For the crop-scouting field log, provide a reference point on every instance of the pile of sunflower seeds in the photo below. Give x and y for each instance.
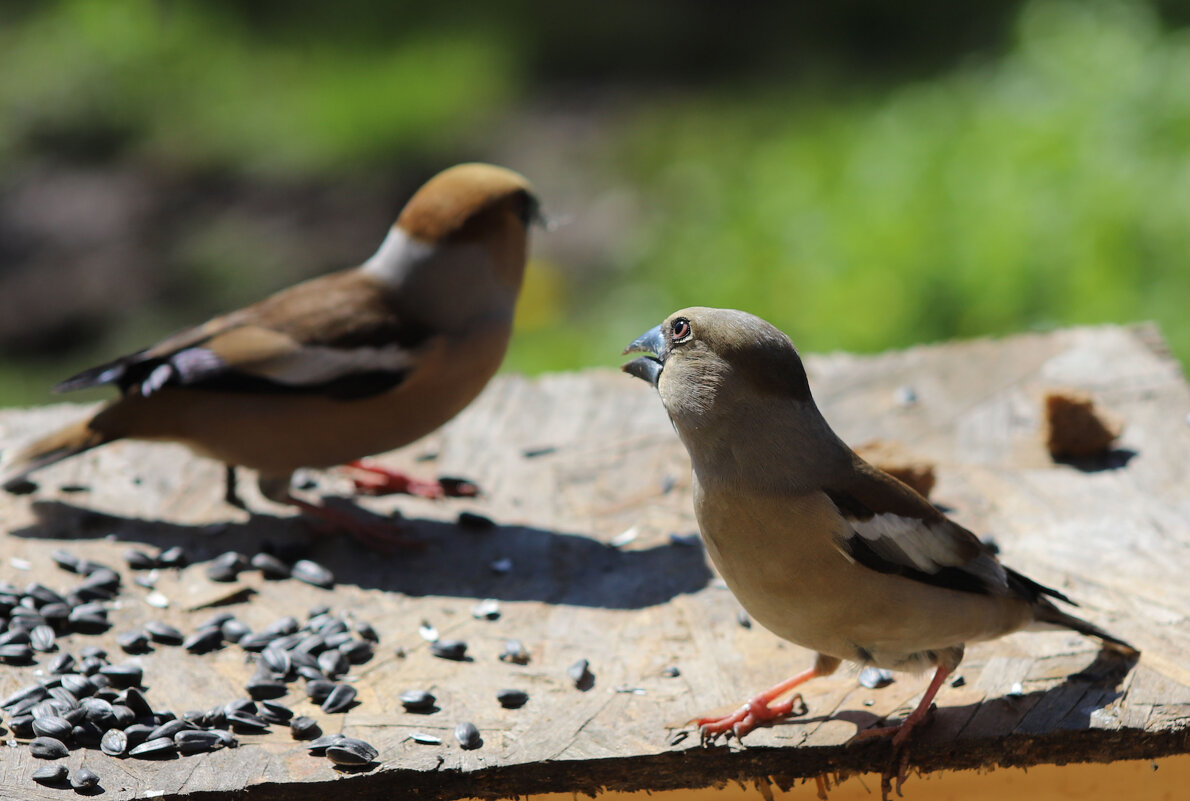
(89, 701)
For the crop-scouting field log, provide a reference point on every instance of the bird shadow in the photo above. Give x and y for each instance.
(1067, 706)
(505, 562)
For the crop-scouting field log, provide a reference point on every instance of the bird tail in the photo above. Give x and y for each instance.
(1049, 615)
(61, 444)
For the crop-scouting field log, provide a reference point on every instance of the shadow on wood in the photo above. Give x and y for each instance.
(547, 566)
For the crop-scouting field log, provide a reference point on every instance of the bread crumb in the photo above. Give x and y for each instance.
(1075, 427)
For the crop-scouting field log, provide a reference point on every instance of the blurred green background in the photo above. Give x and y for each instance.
(865, 175)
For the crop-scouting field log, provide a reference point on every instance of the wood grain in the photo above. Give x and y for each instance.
(569, 462)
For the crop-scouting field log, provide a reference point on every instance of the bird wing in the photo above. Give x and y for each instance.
(338, 336)
(893, 529)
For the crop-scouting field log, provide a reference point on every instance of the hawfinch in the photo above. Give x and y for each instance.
(353, 363)
(820, 547)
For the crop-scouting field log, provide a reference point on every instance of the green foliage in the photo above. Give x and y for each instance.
(186, 83)
(1049, 187)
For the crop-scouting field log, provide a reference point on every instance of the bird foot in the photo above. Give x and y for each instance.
(756, 711)
(898, 765)
(372, 479)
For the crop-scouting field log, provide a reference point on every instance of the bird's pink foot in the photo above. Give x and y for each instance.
(898, 766)
(755, 712)
(372, 479)
(761, 708)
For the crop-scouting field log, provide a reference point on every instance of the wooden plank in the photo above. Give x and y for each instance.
(569, 462)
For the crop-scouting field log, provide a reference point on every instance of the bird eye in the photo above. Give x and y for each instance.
(680, 330)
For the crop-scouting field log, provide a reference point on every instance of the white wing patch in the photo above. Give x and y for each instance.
(927, 546)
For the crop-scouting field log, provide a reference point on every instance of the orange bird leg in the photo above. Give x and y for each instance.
(373, 479)
(759, 709)
(903, 732)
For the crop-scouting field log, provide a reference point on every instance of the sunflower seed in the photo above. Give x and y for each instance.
(78, 686)
(340, 699)
(318, 746)
(270, 566)
(192, 741)
(336, 639)
(66, 560)
(16, 653)
(367, 631)
(319, 689)
(173, 557)
(67, 699)
(241, 705)
(84, 779)
(512, 699)
(333, 663)
(468, 736)
(89, 624)
(304, 728)
(50, 774)
(135, 700)
(580, 673)
(235, 631)
(86, 735)
(449, 649)
(487, 609)
(310, 673)
(56, 727)
(874, 678)
(133, 642)
(170, 728)
(164, 633)
(260, 687)
(124, 675)
(274, 712)
(357, 651)
(42, 639)
(427, 631)
(743, 619)
(417, 701)
(227, 566)
(671, 672)
(114, 742)
(102, 578)
(423, 738)
(139, 560)
(350, 751)
(62, 663)
(204, 640)
(312, 573)
(21, 725)
(138, 733)
(100, 712)
(43, 595)
(276, 659)
(153, 748)
(19, 636)
(47, 748)
(33, 692)
(247, 722)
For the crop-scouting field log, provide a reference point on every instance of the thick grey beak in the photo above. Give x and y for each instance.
(649, 367)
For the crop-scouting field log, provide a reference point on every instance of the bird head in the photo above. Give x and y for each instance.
(478, 205)
(707, 363)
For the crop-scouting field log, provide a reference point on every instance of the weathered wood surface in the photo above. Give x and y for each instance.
(568, 462)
